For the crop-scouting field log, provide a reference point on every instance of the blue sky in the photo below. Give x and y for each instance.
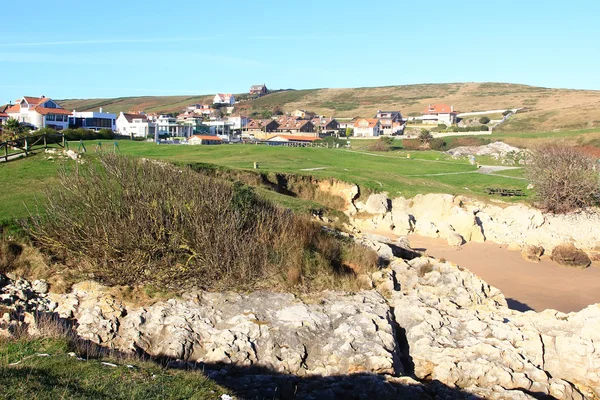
(83, 49)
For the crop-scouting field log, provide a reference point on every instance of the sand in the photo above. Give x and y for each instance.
(526, 285)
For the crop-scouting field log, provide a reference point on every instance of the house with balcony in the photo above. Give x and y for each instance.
(325, 126)
(439, 114)
(367, 127)
(296, 126)
(224, 98)
(135, 125)
(39, 112)
(93, 120)
(258, 90)
(390, 121)
(169, 127)
(195, 121)
(237, 122)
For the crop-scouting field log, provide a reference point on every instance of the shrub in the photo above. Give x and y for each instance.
(437, 144)
(564, 178)
(383, 144)
(134, 222)
(484, 128)
(411, 144)
(484, 120)
(442, 126)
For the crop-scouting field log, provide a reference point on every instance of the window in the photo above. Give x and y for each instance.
(50, 117)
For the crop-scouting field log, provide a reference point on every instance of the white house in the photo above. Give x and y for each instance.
(39, 112)
(219, 127)
(439, 114)
(93, 120)
(238, 122)
(135, 125)
(367, 127)
(168, 126)
(3, 118)
(204, 139)
(224, 98)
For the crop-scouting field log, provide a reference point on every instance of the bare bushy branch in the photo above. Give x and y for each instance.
(564, 178)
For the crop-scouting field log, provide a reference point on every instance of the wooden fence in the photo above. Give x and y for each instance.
(26, 144)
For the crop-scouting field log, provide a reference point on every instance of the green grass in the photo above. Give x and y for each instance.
(59, 376)
(424, 172)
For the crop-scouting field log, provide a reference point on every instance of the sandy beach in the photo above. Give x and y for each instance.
(526, 285)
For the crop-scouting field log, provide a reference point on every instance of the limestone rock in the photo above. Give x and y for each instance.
(569, 255)
(455, 239)
(40, 286)
(377, 204)
(532, 253)
(513, 246)
(426, 228)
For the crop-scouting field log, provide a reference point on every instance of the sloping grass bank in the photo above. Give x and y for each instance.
(58, 375)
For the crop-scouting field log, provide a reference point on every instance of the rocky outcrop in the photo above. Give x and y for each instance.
(334, 333)
(448, 217)
(460, 332)
(424, 319)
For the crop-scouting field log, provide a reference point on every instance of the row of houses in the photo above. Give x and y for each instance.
(43, 112)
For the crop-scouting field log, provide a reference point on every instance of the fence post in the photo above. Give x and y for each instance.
(26, 146)
(45, 143)
(5, 152)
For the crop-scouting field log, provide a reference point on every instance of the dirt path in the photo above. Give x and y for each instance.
(526, 285)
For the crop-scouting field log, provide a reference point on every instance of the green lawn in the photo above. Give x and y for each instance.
(60, 376)
(424, 172)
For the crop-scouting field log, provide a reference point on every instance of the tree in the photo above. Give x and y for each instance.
(484, 120)
(349, 131)
(425, 137)
(12, 129)
(564, 178)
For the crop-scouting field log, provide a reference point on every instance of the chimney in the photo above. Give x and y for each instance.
(100, 110)
(43, 97)
(451, 108)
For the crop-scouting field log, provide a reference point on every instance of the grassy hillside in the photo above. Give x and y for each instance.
(424, 172)
(547, 109)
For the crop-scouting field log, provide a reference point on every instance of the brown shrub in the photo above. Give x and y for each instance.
(565, 179)
(135, 222)
(379, 146)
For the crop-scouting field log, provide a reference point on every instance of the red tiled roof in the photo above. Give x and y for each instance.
(206, 137)
(46, 111)
(438, 109)
(3, 115)
(372, 122)
(15, 108)
(34, 100)
(297, 138)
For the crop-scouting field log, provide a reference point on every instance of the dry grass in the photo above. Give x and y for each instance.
(137, 223)
(547, 109)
